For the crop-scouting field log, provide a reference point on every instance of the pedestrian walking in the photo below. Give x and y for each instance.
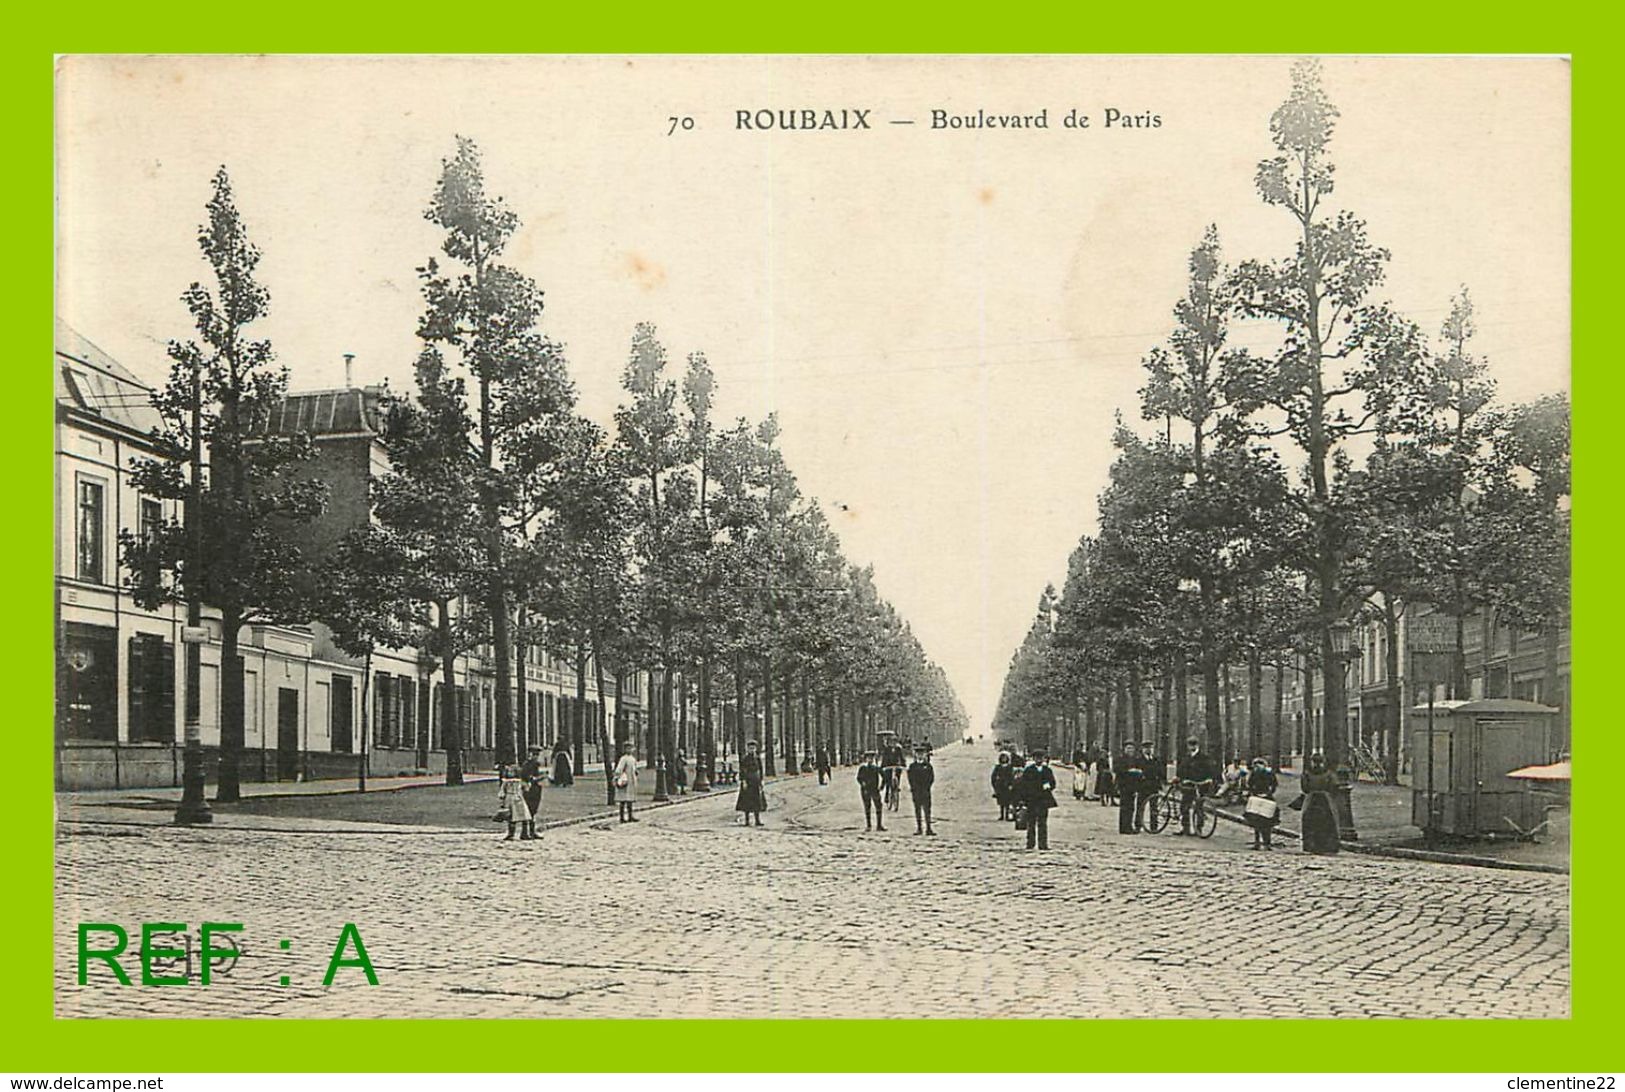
(1262, 814)
(1196, 773)
(1127, 775)
(1004, 784)
(823, 765)
(626, 782)
(533, 773)
(511, 804)
(679, 773)
(1320, 833)
(869, 778)
(563, 775)
(1037, 791)
(750, 800)
(920, 779)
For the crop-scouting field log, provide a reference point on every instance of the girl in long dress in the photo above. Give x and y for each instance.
(1320, 833)
(626, 783)
(750, 799)
(511, 802)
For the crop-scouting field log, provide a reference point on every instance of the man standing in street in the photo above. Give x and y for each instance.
(920, 778)
(1196, 773)
(823, 764)
(869, 786)
(1156, 776)
(1129, 773)
(1036, 788)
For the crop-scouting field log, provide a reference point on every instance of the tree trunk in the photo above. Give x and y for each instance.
(807, 729)
(1280, 707)
(366, 722)
(502, 638)
(229, 788)
(1182, 702)
(522, 738)
(1396, 699)
(1231, 744)
(1255, 703)
(739, 703)
(1165, 733)
(578, 730)
(1551, 639)
(767, 716)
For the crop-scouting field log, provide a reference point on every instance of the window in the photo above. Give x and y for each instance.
(408, 710)
(151, 518)
(87, 683)
(91, 537)
(341, 715)
(382, 709)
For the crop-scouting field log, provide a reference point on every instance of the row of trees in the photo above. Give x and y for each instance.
(1356, 471)
(674, 544)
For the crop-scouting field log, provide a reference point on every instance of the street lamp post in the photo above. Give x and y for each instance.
(194, 808)
(1342, 796)
(661, 678)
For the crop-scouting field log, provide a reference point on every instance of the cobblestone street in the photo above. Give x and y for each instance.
(687, 914)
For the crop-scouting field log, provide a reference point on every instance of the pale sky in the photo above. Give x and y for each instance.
(944, 320)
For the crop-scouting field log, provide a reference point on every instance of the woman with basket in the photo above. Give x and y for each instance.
(626, 782)
(1262, 814)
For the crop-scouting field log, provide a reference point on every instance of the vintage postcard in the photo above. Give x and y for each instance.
(812, 537)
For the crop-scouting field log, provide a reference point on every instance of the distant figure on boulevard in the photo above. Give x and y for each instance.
(1127, 775)
(869, 778)
(533, 773)
(822, 761)
(751, 801)
(920, 779)
(1196, 773)
(626, 782)
(563, 775)
(892, 760)
(1262, 783)
(1105, 787)
(679, 773)
(1004, 784)
(511, 804)
(1320, 833)
(1036, 789)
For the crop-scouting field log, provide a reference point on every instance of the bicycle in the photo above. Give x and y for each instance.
(1164, 811)
(894, 778)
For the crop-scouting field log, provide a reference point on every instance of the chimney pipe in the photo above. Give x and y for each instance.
(348, 357)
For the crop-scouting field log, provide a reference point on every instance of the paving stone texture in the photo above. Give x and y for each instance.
(688, 914)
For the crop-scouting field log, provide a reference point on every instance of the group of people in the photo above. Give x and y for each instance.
(1025, 791)
(1138, 776)
(882, 770)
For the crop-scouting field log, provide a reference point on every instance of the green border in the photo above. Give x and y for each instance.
(37, 1042)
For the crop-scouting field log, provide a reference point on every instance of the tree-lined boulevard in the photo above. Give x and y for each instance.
(810, 916)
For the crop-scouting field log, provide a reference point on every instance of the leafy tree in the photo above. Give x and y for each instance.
(221, 392)
(1321, 297)
(481, 315)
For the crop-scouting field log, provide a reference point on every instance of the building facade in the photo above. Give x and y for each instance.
(310, 710)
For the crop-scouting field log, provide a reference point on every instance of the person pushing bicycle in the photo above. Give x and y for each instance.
(1195, 774)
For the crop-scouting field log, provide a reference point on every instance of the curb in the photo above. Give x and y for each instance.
(687, 798)
(1432, 856)
(383, 829)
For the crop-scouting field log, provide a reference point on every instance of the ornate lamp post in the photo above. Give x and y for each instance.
(659, 677)
(1341, 797)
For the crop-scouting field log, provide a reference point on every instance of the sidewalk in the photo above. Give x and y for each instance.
(1382, 819)
(396, 805)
